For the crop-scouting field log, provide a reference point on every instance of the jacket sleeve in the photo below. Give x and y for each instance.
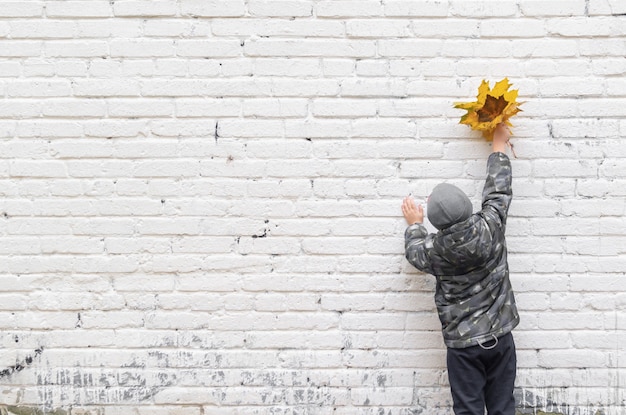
(497, 193)
(417, 243)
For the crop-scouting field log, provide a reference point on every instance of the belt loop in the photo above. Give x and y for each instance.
(489, 347)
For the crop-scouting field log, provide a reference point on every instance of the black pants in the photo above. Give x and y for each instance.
(482, 377)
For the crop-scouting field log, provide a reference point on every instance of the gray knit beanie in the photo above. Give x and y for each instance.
(447, 205)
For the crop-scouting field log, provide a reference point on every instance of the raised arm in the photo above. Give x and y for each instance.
(500, 139)
(497, 193)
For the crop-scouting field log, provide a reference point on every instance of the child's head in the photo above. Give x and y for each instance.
(447, 205)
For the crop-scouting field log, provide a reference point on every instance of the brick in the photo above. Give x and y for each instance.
(233, 67)
(291, 68)
(612, 168)
(114, 128)
(372, 68)
(553, 8)
(559, 187)
(563, 67)
(428, 169)
(337, 67)
(76, 9)
(172, 27)
(402, 396)
(20, 48)
(73, 108)
(553, 107)
(83, 169)
(342, 108)
(481, 8)
(305, 88)
(279, 27)
(49, 129)
(198, 107)
(107, 227)
(212, 8)
(139, 108)
(22, 9)
(571, 87)
(105, 28)
(410, 47)
(171, 67)
(208, 48)
(212, 88)
(38, 68)
(76, 49)
(9, 69)
(584, 27)
(414, 107)
(602, 47)
(384, 128)
(138, 67)
(39, 88)
(610, 67)
(524, 28)
(378, 28)
(572, 359)
(20, 108)
(304, 48)
(601, 107)
(58, 29)
(562, 48)
(374, 88)
(403, 8)
(141, 48)
(453, 28)
(536, 208)
(106, 87)
(280, 8)
(317, 129)
(349, 8)
(144, 8)
(104, 68)
(606, 7)
(335, 149)
(585, 128)
(564, 226)
(276, 108)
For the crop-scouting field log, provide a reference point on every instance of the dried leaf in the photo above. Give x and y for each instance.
(492, 107)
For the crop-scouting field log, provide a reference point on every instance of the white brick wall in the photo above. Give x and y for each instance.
(199, 208)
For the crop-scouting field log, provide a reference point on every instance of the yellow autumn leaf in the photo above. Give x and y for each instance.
(492, 107)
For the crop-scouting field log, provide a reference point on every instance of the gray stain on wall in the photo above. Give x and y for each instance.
(21, 365)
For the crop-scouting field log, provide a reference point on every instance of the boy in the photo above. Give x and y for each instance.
(474, 297)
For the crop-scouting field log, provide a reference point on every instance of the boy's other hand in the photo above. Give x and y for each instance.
(412, 213)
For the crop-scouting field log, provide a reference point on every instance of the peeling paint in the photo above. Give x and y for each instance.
(547, 402)
(32, 410)
(21, 365)
(28, 410)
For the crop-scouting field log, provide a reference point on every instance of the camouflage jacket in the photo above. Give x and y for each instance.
(473, 296)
